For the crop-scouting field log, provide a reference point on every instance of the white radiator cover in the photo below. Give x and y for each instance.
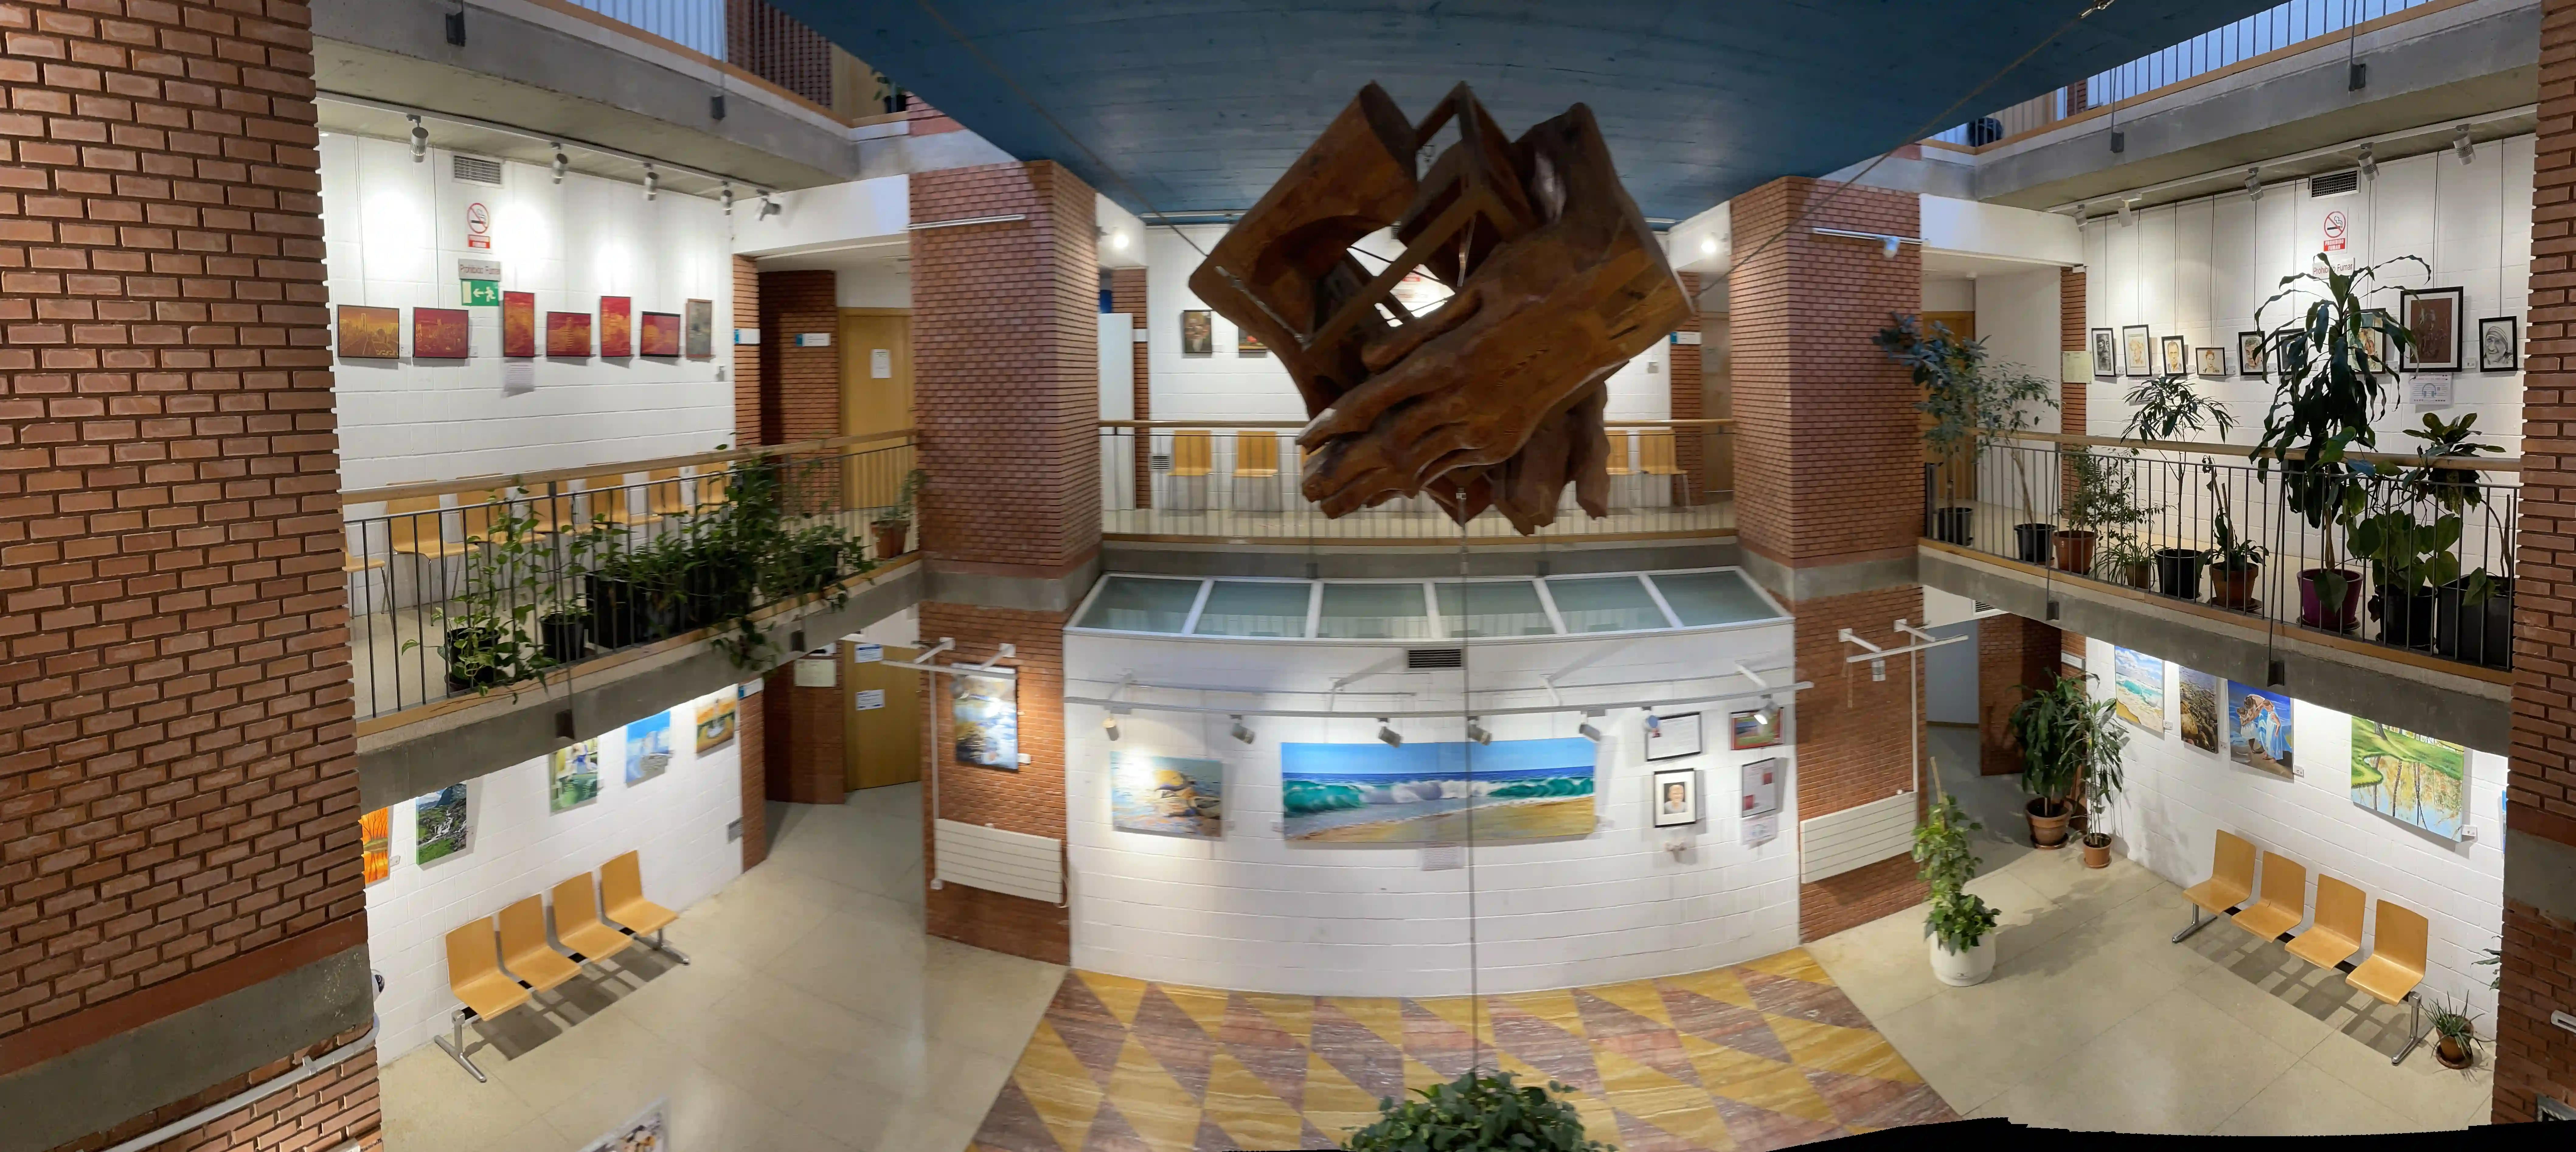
(1015, 863)
(1837, 842)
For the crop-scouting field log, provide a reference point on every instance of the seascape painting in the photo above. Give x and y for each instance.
(648, 747)
(2199, 712)
(2138, 689)
(2409, 778)
(1425, 793)
(1166, 794)
(987, 718)
(2258, 725)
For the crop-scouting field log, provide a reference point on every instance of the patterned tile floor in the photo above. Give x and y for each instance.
(1759, 1056)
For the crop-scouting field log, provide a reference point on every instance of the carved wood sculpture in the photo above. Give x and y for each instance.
(1493, 399)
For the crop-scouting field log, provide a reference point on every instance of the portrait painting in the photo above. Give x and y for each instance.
(2250, 359)
(370, 333)
(1676, 797)
(616, 326)
(439, 334)
(2433, 319)
(1197, 332)
(518, 323)
(567, 334)
(2177, 360)
(2212, 361)
(2106, 352)
(2137, 350)
(2500, 344)
(701, 339)
(662, 334)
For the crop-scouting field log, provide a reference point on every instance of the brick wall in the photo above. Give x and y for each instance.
(1030, 800)
(2534, 1058)
(747, 406)
(1127, 295)
(752, 731)
(2071, 338)
(1853, 747)
(319, 1115)
(804, 756)
(779, 48)
(800, 388)
(1690, 445)
(1858, 897)
(2013, 652)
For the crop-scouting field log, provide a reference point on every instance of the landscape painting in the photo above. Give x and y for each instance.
(1425, 793)
(370, 333)
(702, 329)
(1166, 795)
(715, 723)
(2199, 712)
(662, 334)
(987, 716)
(439, 819)
(439, 334)
(2259, 729)
(648, 747)
(567, 333)
(518, 323)
(2409, 778)
(616, 326)
(572, 776)
(2138, 689)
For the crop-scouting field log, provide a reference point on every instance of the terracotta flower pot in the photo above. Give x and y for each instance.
(2097, 855)
(2047, 831)
(2452, 1053)
(2075, 550)
(2233, 587)
(891, 537)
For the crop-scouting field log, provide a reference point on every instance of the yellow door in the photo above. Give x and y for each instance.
(876, 394)
(883, 743)
(1954, 481)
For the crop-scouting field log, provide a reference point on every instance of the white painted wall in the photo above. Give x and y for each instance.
(2017, 318)
(1252, 911)
(877, 284)
(1950, 675)
(515, 848)
(393, 231)
(1974, 228)
(1952, 294)
(829, 217)
(2201, 268)
(2178, 797)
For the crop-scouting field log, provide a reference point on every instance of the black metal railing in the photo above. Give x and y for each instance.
(2411, 556)
(461, 593)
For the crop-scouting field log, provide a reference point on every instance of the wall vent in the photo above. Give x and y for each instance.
(1419, 659)
(1982, 606)
(2334, 183)
(476, 170)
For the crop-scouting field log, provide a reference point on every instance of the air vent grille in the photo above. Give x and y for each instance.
(1982, 606)
(477, 170)
(2334, 183)
(1418, 659)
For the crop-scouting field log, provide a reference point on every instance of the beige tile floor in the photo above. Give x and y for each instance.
(2095, 1020)
(817, 1017)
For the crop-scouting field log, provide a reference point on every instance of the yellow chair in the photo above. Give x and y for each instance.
(621, 891)
(2230, 883)
(2396, 967)
(1619, 454)
(415, 528)
(525, 951)
(2337, 933)
(2285, 898)
(474, 974)
(662, 493)
(1193, 462)
(1256, 470)
(610, 499)
(1656, 445)
(577, 922)
(712, 481)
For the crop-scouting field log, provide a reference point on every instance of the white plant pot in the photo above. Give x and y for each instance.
(1960, 969)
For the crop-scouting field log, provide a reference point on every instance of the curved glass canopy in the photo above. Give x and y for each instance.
(1382, 610)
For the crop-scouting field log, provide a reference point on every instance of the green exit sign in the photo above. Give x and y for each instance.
(486, 293)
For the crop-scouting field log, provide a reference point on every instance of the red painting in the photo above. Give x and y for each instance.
(438, 334)
(661, 333)
(567, 333)
(370, 333)
(518, 323)
(616, 326)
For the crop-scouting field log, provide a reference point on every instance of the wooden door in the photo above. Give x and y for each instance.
(883, 744)
(876, 391)
(1952, 482)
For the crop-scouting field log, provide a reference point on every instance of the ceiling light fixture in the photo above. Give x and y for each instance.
(1587, 730)
(768, 207)
(1654, 723)
(1109, 724)
(1708, 244)
(652, 184)
(562, 164)
(2369, 163)
(1477, 732)
(1889, 246)
(2460, 143)
(2254, 184)
(420, 140)
(1241, 731)
(725, 197)
(2128, 211)
(2083, 214)
(1387, 732)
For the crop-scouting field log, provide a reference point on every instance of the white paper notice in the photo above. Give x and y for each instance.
(816, 674)
(2429, 390)
(880, 363)
(518, 376)
(871, 700)
(865, 653)
(1760, 831)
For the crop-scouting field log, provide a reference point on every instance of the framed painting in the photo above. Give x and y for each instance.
(616, 326)
(716, 720)
(2177, 356)
(572, 776)
(518, 323)
(1759, 728)
(438, 824)
(2374, 337)
(370, 333)
(2500, 344)
(2106, 352)
(2137, 351)
(648, 747)
(375, 842)
(439, 334)
(1167, 795)
(1437, 793)
(2210, 361)
(986, 716)
(701, 329)
(1673, 737)
(2138, 689)
(2250, 359)
(662, 334)
(1247, 344)
(2259, 729)
(567, 334)
(1197, 332)
(1676, 797)
(2433, 318)
(2411, 779)
(2199, 711)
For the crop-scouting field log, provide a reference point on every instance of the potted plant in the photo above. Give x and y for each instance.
(2458, 1030)
(2124, 559)
(1973, 405)
(2410, 558)
(2163, 410)
(891, 531)
(2099, 500)
(2063, 733)
(1479, 1109)
(2473, 610)
(1959, 924)
(2235, 563)
(485, 638)
(2104, 778)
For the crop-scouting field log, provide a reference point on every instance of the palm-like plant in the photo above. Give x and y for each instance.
(2065, 734)
(2334, 376)
(1974, 403)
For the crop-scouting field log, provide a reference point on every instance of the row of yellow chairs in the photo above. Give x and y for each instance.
(477, 955)
(1256, 454)
(416, 527)
(2395, 969)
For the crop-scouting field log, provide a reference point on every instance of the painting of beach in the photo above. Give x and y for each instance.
(2138, 689)
(1166, 794)
(1424, 793)
(2409, 778)
(2199, 716)
(2259, 729)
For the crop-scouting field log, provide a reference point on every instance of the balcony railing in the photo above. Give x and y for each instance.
(1238, 482)
(472, 587)
(2425, 565)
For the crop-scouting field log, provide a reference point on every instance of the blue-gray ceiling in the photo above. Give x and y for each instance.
(1198, 105)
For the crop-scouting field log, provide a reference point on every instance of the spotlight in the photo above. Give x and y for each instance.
(1388, 733)
(562, 165)
(1241, 731)
(2369, 164)
(2083, 215)
(652, 184)
(1118, 241)
(768, 207)
(726, 197)
(2253, 183)
(2460, 144)
(1768, 716)
(1888, 247)
(420, 140)
(1109, 724)
(1477, 733)
(1589, 732)
(1708, 244)
(2128, 211)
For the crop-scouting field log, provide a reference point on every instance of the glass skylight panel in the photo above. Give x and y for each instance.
(1373, 612)
(1701, 599)
(1139, 604)
(1604, 604)
(1495, 608)
(1254, 608)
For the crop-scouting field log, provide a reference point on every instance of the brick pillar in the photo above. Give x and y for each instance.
(1829, 491)
(2071, 338)
(1690, 445)
(1127, 294)
(2532, 1057)
(178, 785)
(1006, 379)
(800, 388)
(2013, 652)
(747, 406)
(749, 737)
(804, 759)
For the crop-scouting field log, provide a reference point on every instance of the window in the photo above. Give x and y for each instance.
(1605, 604)
(1493, 608)
(1700, 599)
(1248, 608)
(1138, 604)
(1373, 612)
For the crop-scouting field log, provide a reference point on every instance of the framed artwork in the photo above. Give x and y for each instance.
(1673, 737)
(1420, 793)
(2409, 778)
(2199, 712)
(648, 748)
(701, 324)
(1761, 788)
(2137, 351)
(2374, 338)
(2138, 689)
(1198, 332)
(2500, 344)
(567, 333)
(1247, 344)
(2250, 360)
(986, 711)
(2210, 361)
(2259, 729)
(572, 776)
(662, 334)
(438, 334)
(439, 821)
(649, 1131)
(616, 326)
(375, 841)
(2177, 358)
(2433, 319)
(370, 333)
(2106, 352)
(1759, 728)
(1166, 795)
(518, 323)
(1676, 797)
(715, 723)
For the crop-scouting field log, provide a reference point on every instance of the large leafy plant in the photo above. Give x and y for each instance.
(486, 638)
(1958, 917)
(2332, 365)
(2064, 734)
(2169, 408)
(1478, 1110)
(1973, 402)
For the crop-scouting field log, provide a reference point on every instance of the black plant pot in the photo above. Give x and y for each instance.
(1954, 525)
(715, 596)
(2405, 615)
(2031, 542)
(561, 635)
(464, 649)
(2480, 633)
(619, 611)
(2178, 571)
(818, 568)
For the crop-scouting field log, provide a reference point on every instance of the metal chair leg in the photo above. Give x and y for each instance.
(666, 949)
(2196, 925)
(2414, 1029)
(456, 1049)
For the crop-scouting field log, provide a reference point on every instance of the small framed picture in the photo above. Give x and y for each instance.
(1761, 788)
(1247, 344)
(2433, 319)
(1759, 728)
(2250, 360)
(2106, 353)
(1673, 737)
(2137, 350)
(2500, 344)
(2212, 361)
(1197, 331)
(1676, 797)
(2377, 323)
(2177, 356)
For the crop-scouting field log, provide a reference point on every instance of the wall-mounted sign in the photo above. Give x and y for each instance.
(2429, 390)
(478, 282)
(478, 226)
(474, 268)
(1686, 337)
(813, 339)
(880, 363)
(746, 337)
(862, 652)
(1761, 788)
(816, 674)
(870, 700)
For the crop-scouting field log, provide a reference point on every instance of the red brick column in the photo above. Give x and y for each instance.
(804, 755)
(748, 408)
(800, 388)
(2532, 1057)
(1690, 445)
(2071, 338)
(1127, 294)
(751, 736)
(2013, 652)
(1007, 378)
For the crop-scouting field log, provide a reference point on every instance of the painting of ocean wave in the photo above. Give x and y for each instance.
(1426, 793)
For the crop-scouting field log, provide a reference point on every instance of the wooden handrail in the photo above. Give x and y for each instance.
(486, 483)
(2245, 451)
(1232, 424)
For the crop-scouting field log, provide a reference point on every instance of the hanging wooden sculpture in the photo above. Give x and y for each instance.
(1494, 397)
